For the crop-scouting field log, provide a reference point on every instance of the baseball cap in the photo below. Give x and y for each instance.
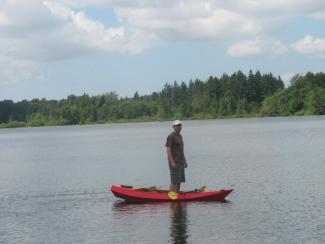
(177, 122)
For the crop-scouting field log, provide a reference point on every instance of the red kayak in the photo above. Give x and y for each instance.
(152, 194)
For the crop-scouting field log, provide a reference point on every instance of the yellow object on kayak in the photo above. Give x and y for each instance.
(202, 189)
(172, 195)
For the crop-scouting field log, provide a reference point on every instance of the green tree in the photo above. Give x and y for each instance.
(242, 106)
(227, 106)
(37, 119)
(316, 102)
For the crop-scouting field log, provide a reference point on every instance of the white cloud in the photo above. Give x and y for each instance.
(4, 19)
(171, 20)
(318, 15)
(278, 7)
(310, 45)
(34, 31)
(271, 8)
(58, 10)
(51, 31)
(92, 35)
(246, 48)
(181, 20)
(54, 30)
(13, 70)
(188, 23)
(78, 29)
(257, 47)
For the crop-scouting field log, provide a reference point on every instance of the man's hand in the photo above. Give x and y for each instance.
(170, 157)
(173, 164)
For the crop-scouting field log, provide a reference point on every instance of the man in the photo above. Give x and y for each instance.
(176, 158)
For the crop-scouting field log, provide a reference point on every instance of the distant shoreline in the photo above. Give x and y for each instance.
(17, 124)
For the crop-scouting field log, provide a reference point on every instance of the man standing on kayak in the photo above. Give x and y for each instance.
(176, 157)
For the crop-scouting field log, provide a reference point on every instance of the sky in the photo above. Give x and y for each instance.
(51, 49)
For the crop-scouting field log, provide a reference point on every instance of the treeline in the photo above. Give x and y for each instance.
(237, 95)
(305, 96)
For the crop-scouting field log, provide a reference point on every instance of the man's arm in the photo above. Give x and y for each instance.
(170, 157)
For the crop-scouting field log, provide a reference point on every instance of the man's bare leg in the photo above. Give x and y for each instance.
(172, 187)
(175, 187)
(178, 187)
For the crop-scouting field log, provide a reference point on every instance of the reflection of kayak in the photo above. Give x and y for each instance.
(152, 194)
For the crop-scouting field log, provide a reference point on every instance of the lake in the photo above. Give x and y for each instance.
(54, 182)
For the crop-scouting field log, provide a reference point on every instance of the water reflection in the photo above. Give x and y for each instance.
(178, 222)
(123, 208)
(178, 230)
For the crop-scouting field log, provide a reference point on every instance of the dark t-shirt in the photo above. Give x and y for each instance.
(175, 142)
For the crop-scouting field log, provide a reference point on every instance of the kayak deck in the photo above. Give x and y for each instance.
(152, 194)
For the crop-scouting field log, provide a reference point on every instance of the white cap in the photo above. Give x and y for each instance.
(177, 122)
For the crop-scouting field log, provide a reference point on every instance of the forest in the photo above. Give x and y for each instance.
(235, 95)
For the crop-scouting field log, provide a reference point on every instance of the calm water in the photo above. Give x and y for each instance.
(54, 183)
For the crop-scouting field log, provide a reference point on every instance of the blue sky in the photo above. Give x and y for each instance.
(51, 49)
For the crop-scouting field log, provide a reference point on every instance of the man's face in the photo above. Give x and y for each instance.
(178, 128)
